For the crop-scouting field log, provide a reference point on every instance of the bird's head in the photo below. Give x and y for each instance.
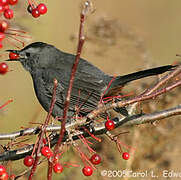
(35, 55)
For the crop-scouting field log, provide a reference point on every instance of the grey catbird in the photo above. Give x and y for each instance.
(45, 62)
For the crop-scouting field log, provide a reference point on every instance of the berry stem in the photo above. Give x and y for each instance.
(17, 30)
(6, 103)
(83, 139)
(12, 43)
(84, 157)
(29, 2)
(19, 35)
(23, 44)
(92, 135)
(109, 84)
(32, 2)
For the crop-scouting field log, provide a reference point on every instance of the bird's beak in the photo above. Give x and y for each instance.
(18, 57)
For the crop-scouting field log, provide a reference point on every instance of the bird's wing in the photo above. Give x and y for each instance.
(86, 92)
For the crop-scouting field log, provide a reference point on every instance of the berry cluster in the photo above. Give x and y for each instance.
(5, 9)
(45, 151)
(95, 159)
(3, 173)
(57, 167)
(36, 11)
(4, 66)
(110, 125)
(8, 13)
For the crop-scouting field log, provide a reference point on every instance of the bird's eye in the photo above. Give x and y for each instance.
(27, 54)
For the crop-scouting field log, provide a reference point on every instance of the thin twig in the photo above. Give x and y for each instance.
(6, 103)
(74, 68)
(163, 80)
(43, 131)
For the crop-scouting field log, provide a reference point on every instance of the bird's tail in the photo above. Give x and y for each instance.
(122, 80)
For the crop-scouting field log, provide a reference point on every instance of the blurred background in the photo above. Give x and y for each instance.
(121, 37)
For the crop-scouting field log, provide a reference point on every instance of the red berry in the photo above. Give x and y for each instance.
(35, 13)
(109, 124)
(4, 2)
(28, 161)
(125, 155)
(1, 45)
(8, 13)
(87, 171)
(12, 176)
(3, 68)
(13, 2)
(95, 159)
(13, 55)
(3, 26)
(58, 168)
(46, 151)
(4, 176)
(42, 8)
(2, 36)
(1, 8)
(2, 169)
(6, 7)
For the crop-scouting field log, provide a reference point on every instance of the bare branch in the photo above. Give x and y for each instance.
(98, 130)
